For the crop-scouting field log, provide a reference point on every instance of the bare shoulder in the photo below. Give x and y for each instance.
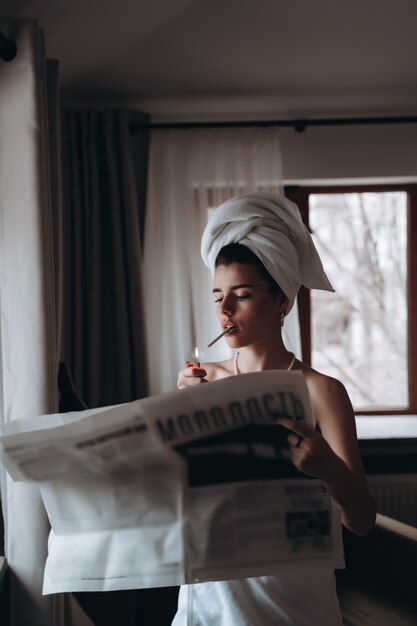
(335, 417)
(328, 395)
(218, 370)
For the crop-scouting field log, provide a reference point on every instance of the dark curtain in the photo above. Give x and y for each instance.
(104, 170)
(104, 174)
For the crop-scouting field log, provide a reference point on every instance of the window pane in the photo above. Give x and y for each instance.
(359, 334)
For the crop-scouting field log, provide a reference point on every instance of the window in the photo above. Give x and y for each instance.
(364, 333)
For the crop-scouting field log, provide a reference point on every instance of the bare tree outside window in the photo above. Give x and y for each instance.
(359, 334)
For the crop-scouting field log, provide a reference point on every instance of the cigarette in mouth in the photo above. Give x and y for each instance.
(226, 330)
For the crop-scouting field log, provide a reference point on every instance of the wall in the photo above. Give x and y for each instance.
(350, 152)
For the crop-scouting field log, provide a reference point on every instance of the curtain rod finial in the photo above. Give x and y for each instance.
(8, 48)
(299, 126)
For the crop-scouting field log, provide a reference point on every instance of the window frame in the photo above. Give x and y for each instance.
(300, 195)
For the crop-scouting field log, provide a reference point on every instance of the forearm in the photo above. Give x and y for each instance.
(355, 500)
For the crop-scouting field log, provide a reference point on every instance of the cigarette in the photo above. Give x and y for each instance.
(226, 330)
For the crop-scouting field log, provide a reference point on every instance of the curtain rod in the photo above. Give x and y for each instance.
(8, 48)
(299, 125)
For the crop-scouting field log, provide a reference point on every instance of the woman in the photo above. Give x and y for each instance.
(262, 253)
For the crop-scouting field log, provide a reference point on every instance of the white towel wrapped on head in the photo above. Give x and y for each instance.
(272, 228)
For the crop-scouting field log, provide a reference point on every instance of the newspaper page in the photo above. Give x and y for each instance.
(189, 486)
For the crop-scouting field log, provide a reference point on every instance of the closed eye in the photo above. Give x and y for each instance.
(244, 297)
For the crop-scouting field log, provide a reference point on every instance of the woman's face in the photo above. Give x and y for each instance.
(243, 299)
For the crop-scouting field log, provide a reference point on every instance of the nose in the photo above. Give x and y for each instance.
(226, 306)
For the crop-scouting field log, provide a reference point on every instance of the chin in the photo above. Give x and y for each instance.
(236, 342)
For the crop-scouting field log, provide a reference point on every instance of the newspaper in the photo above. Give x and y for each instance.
(184, 487)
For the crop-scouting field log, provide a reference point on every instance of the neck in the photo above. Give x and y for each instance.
(256, 358)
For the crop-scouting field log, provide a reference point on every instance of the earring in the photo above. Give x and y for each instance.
(282, 319)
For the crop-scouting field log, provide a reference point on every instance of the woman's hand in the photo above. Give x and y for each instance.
(310, 452)
(191, 375)
(312, 455)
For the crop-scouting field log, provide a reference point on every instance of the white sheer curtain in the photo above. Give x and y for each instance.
(27, 326)
(191, 171)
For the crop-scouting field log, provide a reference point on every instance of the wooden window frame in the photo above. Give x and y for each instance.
(300, 195)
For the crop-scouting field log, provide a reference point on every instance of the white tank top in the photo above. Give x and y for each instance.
(302, 596)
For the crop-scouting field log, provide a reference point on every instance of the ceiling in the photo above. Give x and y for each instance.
(292, 57)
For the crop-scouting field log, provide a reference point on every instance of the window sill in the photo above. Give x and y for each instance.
(388, 443)
(372, 427)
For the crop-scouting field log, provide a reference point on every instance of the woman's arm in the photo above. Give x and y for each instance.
(332, 455)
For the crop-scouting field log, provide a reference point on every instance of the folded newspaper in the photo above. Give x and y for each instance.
(188, 486)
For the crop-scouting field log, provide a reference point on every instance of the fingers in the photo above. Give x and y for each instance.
(194, 371)
(190, 376)
(298, 431)
(295, 440)
(296, 426)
